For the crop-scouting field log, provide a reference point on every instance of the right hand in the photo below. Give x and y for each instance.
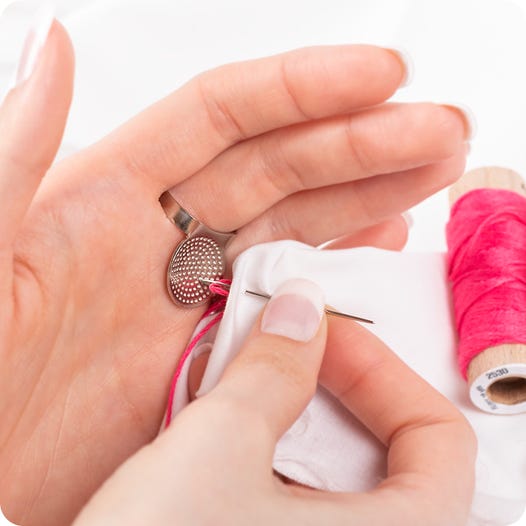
(88, 336)
(213, 465)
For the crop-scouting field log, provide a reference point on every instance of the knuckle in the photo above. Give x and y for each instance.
(361, 161)
(211, 88)
(441, 416)
(356, 382)
(279, 171)
(288, 72)
(284, 225)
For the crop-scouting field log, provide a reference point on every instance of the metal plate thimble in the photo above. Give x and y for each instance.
(199, 256)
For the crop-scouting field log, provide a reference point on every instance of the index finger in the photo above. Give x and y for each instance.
(182, 133)
(431, 445)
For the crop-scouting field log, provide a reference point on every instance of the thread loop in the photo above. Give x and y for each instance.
(216, 309)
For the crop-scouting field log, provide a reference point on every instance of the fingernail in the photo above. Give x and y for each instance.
(35, 41)
(294, 310)
(408, 218)
(470, 121)
(407, 63)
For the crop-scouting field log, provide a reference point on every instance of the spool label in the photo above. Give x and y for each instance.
(481, 390)
(497, 373)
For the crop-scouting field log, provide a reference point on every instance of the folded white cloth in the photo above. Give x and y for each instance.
(407, 296)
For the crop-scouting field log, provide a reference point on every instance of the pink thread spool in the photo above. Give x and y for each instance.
(497, 375)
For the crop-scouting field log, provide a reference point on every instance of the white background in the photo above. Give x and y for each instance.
(132, 52)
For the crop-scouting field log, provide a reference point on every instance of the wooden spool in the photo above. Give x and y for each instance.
(497, 376)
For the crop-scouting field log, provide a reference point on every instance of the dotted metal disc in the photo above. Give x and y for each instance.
(196, 257)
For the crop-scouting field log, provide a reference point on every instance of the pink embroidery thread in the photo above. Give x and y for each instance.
(218, 306)
(487, 268)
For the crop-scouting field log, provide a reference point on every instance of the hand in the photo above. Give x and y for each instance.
(89, 338)
(214, 464)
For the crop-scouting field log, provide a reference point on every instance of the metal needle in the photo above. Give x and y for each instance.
(329, 311)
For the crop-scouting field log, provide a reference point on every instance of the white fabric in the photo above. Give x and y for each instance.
(407, 296)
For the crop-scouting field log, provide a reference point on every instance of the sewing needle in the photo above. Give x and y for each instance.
(329, 311)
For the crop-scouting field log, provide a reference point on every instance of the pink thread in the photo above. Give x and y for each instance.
(486, 237)
(217, 307)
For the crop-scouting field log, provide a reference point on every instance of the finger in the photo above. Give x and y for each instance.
(179, 135)
(267, 386)
(385, 139)
(316, 216)
(389, 235)
(32, 121)
(431, 445)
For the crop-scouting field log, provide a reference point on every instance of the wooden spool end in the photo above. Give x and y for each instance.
(497, 376)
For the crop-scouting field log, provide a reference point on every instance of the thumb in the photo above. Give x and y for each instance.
(32, 120)
(275, 375)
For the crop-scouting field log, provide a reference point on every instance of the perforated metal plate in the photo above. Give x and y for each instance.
(194, 258)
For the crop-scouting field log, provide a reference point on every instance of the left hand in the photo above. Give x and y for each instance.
(213, 465)
(89, 338)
